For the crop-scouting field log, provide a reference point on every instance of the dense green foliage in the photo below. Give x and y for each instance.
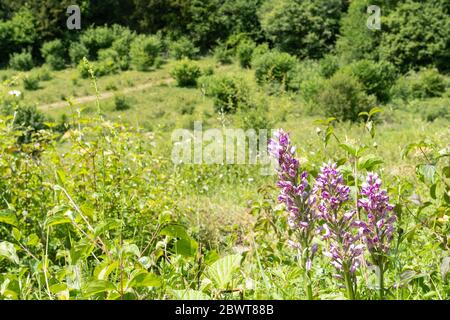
(93, 204)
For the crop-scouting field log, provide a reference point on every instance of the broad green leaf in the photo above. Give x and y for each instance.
(375, 111)
(186, 247)
(433, 191)
(8, 217)
(132, 249)
(103, 270)
(97, 286)
(8, 251)
(426, 173)
(190, 295)
(369, 163)
(349, 148)
(221, 272)
(57, 219)
(144, 279)
(175, 231)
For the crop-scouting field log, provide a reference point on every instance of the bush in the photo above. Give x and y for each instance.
(97, 38)
(54, 53)
(77, 51)
(83, 69)
(121, 103)
(31, 82)
(44, 74)
(28, 120)
(21, 61)
(223, 54)
(17, 32)
(183, 48)
(108, 62)
(244, 52)
(328, 65)
(416, 34)
(425, 83)
(305, 28)
(343, 97)
(144, 51)
(431, 109)
(122, 46)
(376, 77)
(274, 68)
(228, 92)
(186, 73)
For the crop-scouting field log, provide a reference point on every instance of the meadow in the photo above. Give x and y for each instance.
(357, 206)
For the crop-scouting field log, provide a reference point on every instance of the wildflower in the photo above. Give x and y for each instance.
(329, 197)
(377, 231)
(294, 193)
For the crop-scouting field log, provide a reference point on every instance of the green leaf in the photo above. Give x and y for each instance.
(349, 148)
(433, 191)
(369, 163)
(375, 111)
(131, 249)
(8, 217)
(8, 251)
(426, 173)
(58, 218)
(98, 286)
(103, 270)
(186, 247)
(221, 272)
(144, 279)
(175, 231)
(190, 295)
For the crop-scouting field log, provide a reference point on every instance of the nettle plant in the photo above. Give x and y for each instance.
(322, 209)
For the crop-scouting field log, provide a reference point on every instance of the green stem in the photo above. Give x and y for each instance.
(381, 283)
(309, 293)
(349, 285)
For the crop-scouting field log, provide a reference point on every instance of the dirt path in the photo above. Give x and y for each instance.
(105, 95)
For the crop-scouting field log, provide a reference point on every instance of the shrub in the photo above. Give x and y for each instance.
(54, 53)
(274, 68)
(16, 32)
(31, 82)
(22, 61)
(77, 51)
(122, 46)
(108, 62)
(144, 51)
(44, 74)
(425, 83)
(260, 50)
(97, 38)
(244, 52)
(416, 34)
(376, 77)
(228, 92)
(186, 73)
(305, 28)
(183, 48)
(328, 65)
(223, 54)
(431, 109)
(343, 97)
(28, 120)
(83, 69)
(121, 103)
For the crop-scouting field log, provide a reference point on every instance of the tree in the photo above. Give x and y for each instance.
(417, 34)
(306, 28)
